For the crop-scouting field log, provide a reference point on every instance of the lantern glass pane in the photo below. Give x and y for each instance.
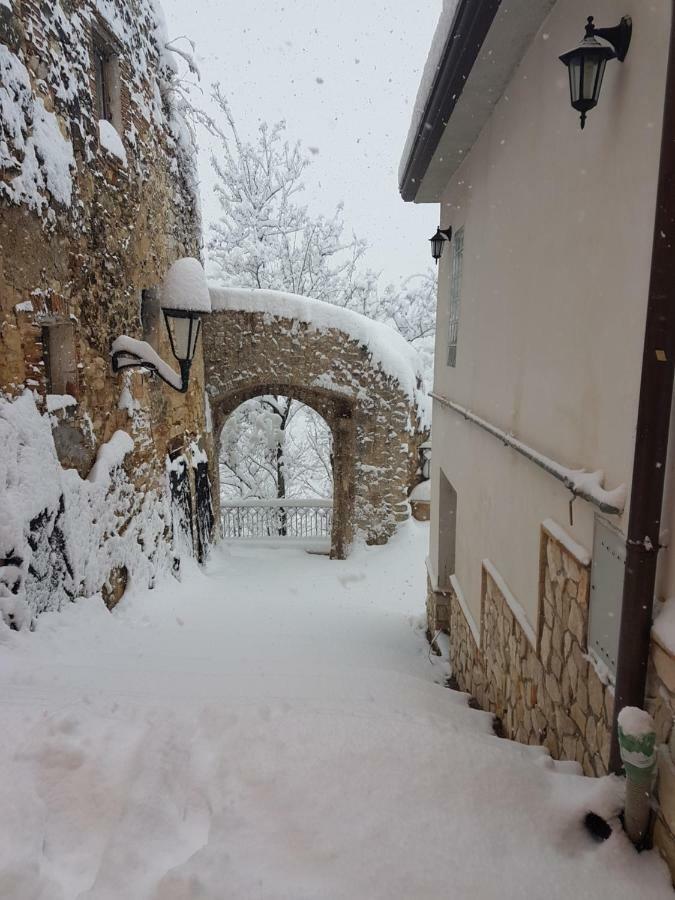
(179, 328)
(575, 78)
(598, 79)
(590, 72)
(194, 335)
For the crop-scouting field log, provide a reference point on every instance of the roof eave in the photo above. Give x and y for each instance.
(470, 27)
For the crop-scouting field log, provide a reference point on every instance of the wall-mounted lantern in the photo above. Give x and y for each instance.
(185, 296)
(437, 241)
(425, 460)
(586, 63)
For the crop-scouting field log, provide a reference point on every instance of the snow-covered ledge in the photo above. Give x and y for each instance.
(580, 482)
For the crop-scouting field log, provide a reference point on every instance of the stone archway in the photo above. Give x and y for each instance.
(359, 375)
(338, 415)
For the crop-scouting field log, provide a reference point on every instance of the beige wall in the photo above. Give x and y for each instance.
(557, 244)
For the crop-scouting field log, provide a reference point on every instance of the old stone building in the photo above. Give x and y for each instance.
(97, 199)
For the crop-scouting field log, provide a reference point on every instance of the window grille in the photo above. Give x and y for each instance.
(105, 52)
(455, 293)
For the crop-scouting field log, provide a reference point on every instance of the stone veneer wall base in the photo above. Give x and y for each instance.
(551, 694)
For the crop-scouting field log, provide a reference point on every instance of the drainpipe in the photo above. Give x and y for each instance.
(651, 440)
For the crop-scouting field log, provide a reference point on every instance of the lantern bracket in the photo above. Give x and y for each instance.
(619, 36)
(127, 359)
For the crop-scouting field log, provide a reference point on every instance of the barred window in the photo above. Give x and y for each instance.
(102, 77)
(105, 62)
(455, 294)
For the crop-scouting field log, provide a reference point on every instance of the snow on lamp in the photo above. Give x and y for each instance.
(437, 241)
(185, 296)
(586, 62)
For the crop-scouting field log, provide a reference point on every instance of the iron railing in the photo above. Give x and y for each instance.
(283, 518)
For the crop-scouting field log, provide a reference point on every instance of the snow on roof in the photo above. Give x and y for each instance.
(389, 349)
(185, 286)
(440, 39)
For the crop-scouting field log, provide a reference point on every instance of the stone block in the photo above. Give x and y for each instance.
(577, 624)
(596, 694)
(664, 664)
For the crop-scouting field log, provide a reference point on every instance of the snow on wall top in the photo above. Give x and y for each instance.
(395, 356)
(438, 42)
(185, 286)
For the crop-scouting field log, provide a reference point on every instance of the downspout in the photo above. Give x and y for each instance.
(651, 440)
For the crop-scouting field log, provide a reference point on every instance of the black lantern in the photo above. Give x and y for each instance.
(438, 240)
(586, 63)
(425, 460)
(185, 296)
(183, 327)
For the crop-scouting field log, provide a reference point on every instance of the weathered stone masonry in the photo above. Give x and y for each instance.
(374, 422)
(90, 257)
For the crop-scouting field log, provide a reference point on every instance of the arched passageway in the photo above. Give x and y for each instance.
(337, 414)
(360, 376)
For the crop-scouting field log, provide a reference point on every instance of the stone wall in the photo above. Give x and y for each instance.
(79, 250)
(542, 686)
(661, 704)
(376, 431)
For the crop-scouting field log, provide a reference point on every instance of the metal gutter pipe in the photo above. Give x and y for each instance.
(651, 440)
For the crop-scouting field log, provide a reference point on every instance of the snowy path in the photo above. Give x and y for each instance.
(274, 728)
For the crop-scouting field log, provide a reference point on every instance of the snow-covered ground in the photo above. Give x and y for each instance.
(274, 727)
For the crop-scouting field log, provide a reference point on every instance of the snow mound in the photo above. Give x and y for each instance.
(636, 721)
(388, 349)
(421, 493)
(185, 286)
(61, 535)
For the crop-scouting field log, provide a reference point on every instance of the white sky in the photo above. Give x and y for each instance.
(344, 75)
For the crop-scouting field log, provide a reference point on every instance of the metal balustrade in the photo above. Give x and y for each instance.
(282, 518)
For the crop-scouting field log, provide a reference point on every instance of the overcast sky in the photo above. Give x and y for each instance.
(344, 75)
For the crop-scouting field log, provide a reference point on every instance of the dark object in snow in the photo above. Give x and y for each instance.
(204, 515)
(497, 724)
(597, 827)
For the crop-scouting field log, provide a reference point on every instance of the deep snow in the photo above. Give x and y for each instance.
(275, 727)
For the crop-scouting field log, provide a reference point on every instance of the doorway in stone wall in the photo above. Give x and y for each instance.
(276, 472)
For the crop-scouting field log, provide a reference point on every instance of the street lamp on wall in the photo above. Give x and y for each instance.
(185, 296)
(437, 241)
(586, 63)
